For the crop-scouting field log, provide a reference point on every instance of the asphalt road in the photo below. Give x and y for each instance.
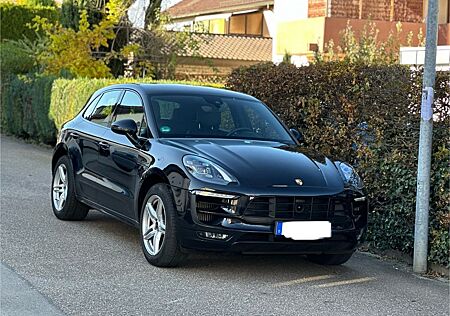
(96, 266)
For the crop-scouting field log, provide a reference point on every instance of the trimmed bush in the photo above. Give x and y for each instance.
(14, 19)
(69, 96)
(368, 116)
(25, 106)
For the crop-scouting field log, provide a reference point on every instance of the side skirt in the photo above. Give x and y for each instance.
(107, 211)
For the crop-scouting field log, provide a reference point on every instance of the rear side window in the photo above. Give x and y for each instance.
(87, 113)
(103, 111)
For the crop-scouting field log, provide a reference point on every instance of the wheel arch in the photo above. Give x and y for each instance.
(60, 150)
(152, 177)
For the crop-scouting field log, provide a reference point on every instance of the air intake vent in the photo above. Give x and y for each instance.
(205, 217)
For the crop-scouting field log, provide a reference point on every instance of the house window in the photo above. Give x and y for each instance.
(201, 26)
(254, 24)
(250, 24)
(217, 26)
(237, 24)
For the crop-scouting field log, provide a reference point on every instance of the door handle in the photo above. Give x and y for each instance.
(74, 135)
(104, 145)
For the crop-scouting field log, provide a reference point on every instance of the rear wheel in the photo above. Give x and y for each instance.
(327, 259)
(64, 202)
(159, 227)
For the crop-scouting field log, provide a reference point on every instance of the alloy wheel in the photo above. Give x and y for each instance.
(154, 225)
(60, 187)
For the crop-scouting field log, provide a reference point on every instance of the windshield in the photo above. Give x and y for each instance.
(200, 116)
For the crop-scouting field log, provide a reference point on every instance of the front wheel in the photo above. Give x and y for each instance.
(327, 259)
(159, 228)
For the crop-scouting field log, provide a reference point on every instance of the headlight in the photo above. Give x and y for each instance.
(206, 170)
(349, 175)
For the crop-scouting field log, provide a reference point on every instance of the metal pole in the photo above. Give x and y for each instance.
(426, 130)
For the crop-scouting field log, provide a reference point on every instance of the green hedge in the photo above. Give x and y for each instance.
(33, 106)
(14, 19)
(367, 115)
(70, 95)
(47, 3)
(14, 60)
(25, 106)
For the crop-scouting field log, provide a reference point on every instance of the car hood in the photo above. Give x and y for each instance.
(262, 163)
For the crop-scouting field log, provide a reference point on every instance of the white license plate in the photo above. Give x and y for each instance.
(312, 230)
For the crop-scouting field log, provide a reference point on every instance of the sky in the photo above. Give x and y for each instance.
(136, 12)
(168, 3)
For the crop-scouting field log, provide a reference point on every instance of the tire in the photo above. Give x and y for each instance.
(64, 202)
(327, 259)
(162, 251)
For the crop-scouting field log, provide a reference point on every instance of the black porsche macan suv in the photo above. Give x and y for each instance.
(205, 169)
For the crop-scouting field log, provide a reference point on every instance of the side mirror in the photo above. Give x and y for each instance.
(127, 127)
(298, 136)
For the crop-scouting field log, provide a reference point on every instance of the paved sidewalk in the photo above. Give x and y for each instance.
(18, 297)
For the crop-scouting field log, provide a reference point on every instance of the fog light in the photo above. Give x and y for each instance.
(214, 235)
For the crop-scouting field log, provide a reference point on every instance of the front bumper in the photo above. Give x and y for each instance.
(246, 224)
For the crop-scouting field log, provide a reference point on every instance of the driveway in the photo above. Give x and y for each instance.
(96, 267)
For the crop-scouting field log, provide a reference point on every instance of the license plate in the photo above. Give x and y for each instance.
(312, 230)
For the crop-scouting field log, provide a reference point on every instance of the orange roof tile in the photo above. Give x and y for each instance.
(237, 47)
(187, 8)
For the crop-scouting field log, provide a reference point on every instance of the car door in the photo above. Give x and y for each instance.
(89, 137)
(121, 160)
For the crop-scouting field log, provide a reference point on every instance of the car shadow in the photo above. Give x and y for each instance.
(219, 263)
(216, 261)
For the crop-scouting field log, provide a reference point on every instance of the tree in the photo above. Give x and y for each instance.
(366, 47)
(72, 51)
(152, 13)
(79, 48)
(70, 12)
(155, 49)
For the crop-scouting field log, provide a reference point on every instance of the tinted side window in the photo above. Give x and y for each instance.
(87, 113)
(104, 109)
(131, 108)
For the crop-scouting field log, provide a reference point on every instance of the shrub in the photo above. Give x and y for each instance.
(25, 106)
(69, 96)
(367, 115)
(14, 19)
(14, 60)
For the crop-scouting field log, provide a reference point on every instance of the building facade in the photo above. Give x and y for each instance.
(300, 27)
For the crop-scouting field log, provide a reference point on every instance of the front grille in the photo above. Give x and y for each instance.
(266, 210)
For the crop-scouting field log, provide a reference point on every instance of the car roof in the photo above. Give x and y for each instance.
(173, 89)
